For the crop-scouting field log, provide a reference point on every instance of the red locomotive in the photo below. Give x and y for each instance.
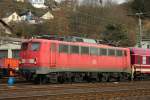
(140, 60)
(45, 60)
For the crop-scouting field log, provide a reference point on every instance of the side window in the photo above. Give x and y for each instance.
(119, 53)
(148, 60)
(35, 46)
(74, 49)
(138, 60)
(111, 52)
(103, 52)
(53, 47)
(93, 51)
(3, 53)
(63, 48)
(84, 50)
(15, 53)
(144, 59)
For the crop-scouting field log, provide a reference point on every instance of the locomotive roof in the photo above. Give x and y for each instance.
(140, 51)
(77, 43)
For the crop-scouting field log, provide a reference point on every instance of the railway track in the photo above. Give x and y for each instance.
(64, 91)
(80, 93)
(26, 87)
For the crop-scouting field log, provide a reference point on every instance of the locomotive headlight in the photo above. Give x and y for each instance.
(23, 61)
(33, 61)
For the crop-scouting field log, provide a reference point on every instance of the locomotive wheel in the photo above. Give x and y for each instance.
(105, 77)
(61, 79)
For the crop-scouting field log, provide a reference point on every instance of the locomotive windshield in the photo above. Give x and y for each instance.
(35, 46)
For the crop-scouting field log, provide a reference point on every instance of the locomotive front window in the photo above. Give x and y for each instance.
(35, 46)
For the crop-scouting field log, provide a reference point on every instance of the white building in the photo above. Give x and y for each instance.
(12, 17)
(38, 3)
(47, 16)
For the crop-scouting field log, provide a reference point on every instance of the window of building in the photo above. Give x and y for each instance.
(103, 52)
(93, 51)
(63, 48)
(119, 53)
(74, 49)
(84, 50)
(3, 53)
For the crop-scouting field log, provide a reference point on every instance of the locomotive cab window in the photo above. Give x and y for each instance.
(111, 52)
(24, 46)
(74, 49)
(63, 48)
(103, 52)
(93, 51)
(35, 46)
(85, 50)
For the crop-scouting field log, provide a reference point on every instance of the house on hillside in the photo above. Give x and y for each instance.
(4, 28)
(26, 16)
(38, 3)
(11, 17)
(47, 16)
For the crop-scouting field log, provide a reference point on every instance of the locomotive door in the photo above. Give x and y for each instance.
(53, 54)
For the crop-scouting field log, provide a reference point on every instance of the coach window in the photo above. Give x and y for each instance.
(84, 50)
(74, 49)
(63, 48)
(119, 53)
(103, 52)
(35, 46)
(111, 52)
(148, 60)
(93, 51)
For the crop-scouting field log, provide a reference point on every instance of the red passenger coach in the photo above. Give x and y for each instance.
(140, 59)
(62, 61)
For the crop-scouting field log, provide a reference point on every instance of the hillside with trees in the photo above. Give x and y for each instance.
(109, 22)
